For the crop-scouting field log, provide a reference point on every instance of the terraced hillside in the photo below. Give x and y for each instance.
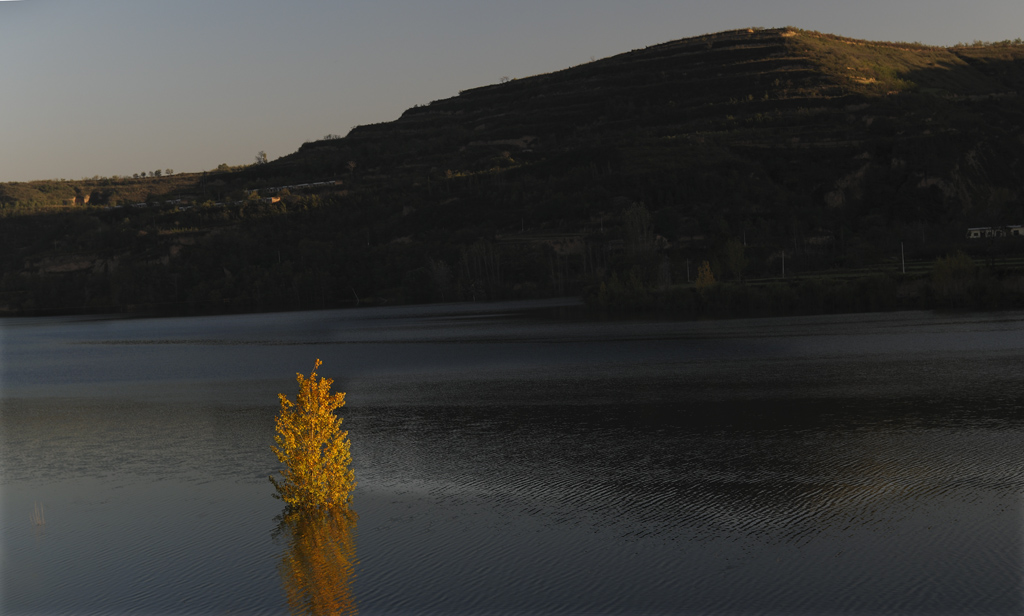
(830, 151)
(811, 121)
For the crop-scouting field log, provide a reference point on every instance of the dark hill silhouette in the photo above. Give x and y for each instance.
(833, 151)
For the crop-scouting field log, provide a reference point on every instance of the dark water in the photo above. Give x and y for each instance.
(511, 460)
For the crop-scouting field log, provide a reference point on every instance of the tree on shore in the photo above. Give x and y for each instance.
(952, 277)
(734, 259)
(705, 279)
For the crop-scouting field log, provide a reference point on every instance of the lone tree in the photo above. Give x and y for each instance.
(313, 448)
(705, 279)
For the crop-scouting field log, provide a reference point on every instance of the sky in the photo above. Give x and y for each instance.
(116, 87)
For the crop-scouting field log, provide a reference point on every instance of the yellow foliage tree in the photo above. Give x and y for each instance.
(313, 448)
(705, 279)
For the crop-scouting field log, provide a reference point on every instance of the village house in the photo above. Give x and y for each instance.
(975, 233)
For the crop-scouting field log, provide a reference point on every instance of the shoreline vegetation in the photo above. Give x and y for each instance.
(971, 288)
(954, 283)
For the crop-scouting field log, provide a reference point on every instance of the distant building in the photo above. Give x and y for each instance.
(975, 233)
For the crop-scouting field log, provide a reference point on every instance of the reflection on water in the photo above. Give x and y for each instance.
(318, 565)
(521, 464)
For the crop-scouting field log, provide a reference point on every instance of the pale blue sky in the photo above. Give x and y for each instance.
(104, 87)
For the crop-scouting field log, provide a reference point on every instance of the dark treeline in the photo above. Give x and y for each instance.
(334, 250)
(980, 289)
(319, 252)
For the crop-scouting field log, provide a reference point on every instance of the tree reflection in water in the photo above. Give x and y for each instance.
(318, 565)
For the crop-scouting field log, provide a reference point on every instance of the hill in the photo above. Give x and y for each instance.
(822, 151)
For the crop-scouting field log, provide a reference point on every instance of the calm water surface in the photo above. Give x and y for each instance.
(514, 460)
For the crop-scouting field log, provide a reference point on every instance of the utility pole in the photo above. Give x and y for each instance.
(783, 263)
(903, 261)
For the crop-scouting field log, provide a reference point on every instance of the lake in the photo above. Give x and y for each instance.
(514, 458)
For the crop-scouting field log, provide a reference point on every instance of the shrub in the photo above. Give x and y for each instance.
(705, 279)
(313, 448)
(952, 277)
